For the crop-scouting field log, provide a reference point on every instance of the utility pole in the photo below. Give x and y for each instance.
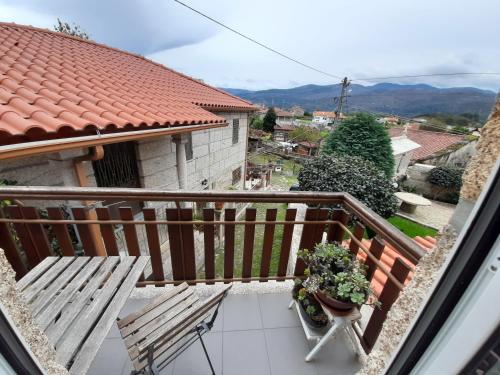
(340, 101)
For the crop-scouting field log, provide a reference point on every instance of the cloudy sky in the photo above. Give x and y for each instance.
(356, 38)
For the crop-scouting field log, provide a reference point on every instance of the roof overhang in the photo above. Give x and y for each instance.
(22, 150)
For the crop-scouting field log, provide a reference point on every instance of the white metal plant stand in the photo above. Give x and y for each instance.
(337, 323)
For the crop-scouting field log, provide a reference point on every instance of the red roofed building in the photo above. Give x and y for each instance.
(432, 143)
(74, 112)
(282, 132)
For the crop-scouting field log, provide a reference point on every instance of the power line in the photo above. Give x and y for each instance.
(322, 71)
(259, 43)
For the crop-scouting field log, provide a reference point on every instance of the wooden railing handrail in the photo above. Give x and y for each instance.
(387, 231)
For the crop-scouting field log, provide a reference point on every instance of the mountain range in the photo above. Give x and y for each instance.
(387, 98)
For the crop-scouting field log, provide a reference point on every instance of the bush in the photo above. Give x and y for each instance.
(351, 174)
(447, 182)
(446, 177)
(361, 135)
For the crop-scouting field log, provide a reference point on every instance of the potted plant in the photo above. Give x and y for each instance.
(335, 277)
(309, 307)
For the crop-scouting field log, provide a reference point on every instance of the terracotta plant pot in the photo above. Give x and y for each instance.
(333, 303)
(219, 205)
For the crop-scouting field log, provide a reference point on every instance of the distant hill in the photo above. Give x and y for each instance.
(404, 100)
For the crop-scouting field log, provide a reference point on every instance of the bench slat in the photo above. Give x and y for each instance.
(35, 273)
(56, 331)
(45, 298)
(91, 345)
(51, 312)
(52, 273)
(83, 325)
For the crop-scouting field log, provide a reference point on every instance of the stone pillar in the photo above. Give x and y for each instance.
(180, 141)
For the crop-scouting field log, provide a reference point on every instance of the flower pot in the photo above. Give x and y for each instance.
(219, 205)
(315, 324)
(333, 303)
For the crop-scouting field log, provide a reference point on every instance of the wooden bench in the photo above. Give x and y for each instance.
(166, 327)
(76, 300)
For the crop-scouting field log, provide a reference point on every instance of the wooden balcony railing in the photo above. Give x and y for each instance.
(189, 240)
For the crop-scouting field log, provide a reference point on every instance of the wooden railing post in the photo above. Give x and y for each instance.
(188, 253)
(335, 232)
(286, 242)
(175, 241)
(154, 244)
(8, 244)
(61, 231)
(208, 237)
(267, 246)
(229, 215)
(358, 232)
(376, 249)
(311, 235)
(249, 240)
(388, 296)
(24, 236)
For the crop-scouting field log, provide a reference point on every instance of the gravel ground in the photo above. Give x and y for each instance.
(437, 215)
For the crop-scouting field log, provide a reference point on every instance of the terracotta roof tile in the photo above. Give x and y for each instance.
(430, 142)
(50, 80)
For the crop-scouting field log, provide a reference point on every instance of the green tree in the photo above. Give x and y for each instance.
(361, 135)
(256, 123)
(75, 30)
(353, 175)
(269, 120)
(305, 133)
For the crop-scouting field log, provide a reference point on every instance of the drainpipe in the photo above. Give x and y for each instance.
(95, 153)
(180, 157)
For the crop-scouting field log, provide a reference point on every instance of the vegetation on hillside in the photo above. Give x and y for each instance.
(361, 135)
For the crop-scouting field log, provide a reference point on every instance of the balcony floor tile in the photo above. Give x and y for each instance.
(253, 334)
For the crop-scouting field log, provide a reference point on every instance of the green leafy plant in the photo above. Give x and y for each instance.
(351, 174)
(335, 271)
(361, 135)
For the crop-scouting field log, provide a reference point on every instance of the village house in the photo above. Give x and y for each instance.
(437, 148)
(283, 117)
(306, 148)
(297, 111)
(282, 132)
(144, 125)
(77, 113)
(323, 117)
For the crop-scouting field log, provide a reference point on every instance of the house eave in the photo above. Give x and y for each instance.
(27, 149)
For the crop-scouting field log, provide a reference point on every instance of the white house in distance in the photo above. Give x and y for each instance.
(323, 118)
(402, 149)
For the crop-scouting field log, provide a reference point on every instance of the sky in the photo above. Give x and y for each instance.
(355, 38)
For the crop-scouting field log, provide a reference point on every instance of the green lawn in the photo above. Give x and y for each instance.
(410, 228)
(258, 242)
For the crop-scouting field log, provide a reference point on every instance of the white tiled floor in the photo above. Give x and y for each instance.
(254, 334)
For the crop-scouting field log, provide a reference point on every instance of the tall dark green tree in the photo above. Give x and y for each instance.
(269, 120)
(361, 135)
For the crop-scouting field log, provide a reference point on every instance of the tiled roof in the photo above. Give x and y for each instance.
(388, 257)
(308, 144)
(284, 127)
(324, 114)
(282, 113)
(430, 142)
(51, 82)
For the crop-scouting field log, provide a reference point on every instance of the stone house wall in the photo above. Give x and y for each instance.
(215, 157)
